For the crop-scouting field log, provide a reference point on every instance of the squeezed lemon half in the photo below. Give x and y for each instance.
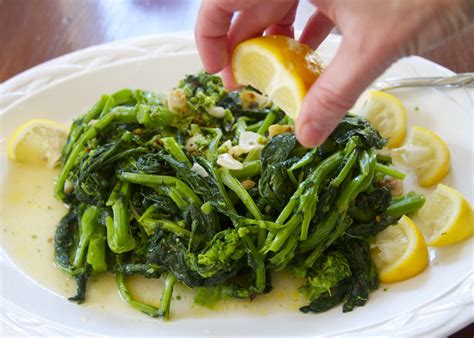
(38, 142)
(448, 216)
(427, 155)
(387, 114)
(400, 251)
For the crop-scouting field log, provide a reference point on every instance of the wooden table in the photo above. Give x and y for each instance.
(34, 31)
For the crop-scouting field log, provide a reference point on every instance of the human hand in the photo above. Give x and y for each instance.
(375, 34)
(216, 37)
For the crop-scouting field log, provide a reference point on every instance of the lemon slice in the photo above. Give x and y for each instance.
(37, 141)
(400, 251)
(427, 155)
(279, 67)
(387, 114)
(448, 216)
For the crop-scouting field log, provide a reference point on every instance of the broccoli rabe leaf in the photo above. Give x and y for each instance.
(364, 277)
(223, 253)
(357, 278)
(329, 271)
(274, 185)
(352, 125)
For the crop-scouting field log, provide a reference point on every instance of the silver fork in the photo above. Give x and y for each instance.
(454, 81)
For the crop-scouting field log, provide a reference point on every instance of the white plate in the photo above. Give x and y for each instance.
(439, 301)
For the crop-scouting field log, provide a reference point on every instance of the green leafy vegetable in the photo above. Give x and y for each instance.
(150, 193)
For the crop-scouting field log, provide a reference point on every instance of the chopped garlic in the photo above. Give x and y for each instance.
(225, 146)
(68, 187)
(192, 144)
(227, 161)
(252, 100)
(395, 185)
(248, 184)
(249, 140)
(177, 100)
(199, 169)
(217, 112)
(278, 129)
(236, 151)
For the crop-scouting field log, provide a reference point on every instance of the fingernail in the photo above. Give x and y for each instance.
(310, 134)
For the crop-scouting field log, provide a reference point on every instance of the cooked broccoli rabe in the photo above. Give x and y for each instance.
(211, 189)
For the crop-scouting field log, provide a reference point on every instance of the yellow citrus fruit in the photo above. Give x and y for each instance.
(280, 67)
(387, 114)
(37, 141)
(448, 216)
(400, 251)
(427, 155)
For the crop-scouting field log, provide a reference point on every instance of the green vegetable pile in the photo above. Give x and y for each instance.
(148, 195)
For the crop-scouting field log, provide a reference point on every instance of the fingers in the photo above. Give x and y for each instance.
(336, 91)
(228, 78)
(211, 35)
(316, 29)
(285, 25)
(252, 22)
(216, 37)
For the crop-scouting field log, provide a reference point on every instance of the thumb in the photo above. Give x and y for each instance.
(336, 91)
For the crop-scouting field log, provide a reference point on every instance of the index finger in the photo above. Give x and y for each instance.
(211, 30)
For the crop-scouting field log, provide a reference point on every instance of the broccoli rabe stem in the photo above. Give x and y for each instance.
(267, 122)
(220, 186)
(368, 180)
(341, 226)
(323, 169)
(258, 258)
(73, 157)
(109, 104)
(309, 199)
(308, 158)
(121, 115)
(175, 150)
(405, 205)
(96, 250)
(233, 184)
(126, 296)
(175, 195)
(259, 264)
(119, 237)
(87, 226)
(155, 181)
(282, 235)
(150, 224)
(349, 163)
(213, 144)
(79, 124)
(285, 255)
(165, 302)
(253, 155)
(318, 240)
(249, 170)
(323, 230)
(381, 168)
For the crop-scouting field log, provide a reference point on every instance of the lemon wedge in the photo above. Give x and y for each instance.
(427, 155)
(38, 142)
(387, 114)
(400, 251)
(448, 216)
(279, 67)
